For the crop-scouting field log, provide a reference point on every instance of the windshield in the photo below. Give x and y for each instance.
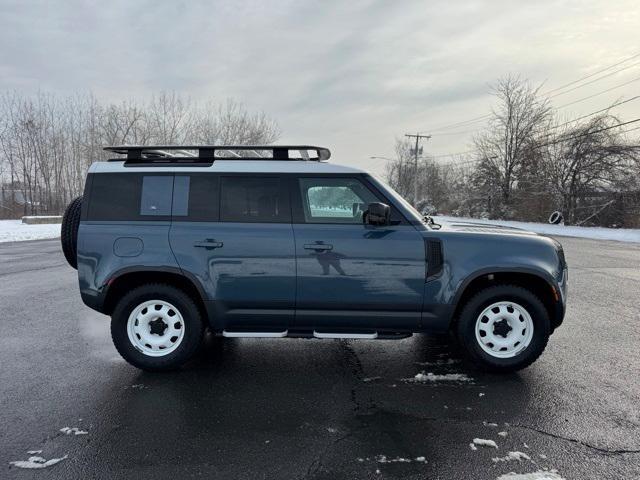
(406, 206)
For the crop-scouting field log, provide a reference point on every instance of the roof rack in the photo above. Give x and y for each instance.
(208, 153)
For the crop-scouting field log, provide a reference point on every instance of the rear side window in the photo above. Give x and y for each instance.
(130, 196)
(254, 199)
(196, 198)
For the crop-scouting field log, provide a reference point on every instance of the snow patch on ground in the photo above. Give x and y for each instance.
(620, 234)
(36, 462)
(539, 475)
(423, 377)
(74, 430)
(481, 442)
(438, 363)
(16, 231)
(385, 459)
(503, 434)
(512, 456)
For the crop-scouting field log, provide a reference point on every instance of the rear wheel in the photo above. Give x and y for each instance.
(156, 327)
(504, 328)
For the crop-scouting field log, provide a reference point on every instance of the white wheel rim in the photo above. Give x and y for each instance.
(504, 329)
(155, 328)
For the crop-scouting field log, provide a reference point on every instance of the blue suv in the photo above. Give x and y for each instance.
(274, 241)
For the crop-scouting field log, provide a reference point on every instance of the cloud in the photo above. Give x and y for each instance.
(353, 75)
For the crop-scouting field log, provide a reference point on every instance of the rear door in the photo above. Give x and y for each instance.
(234, 234)
(353, 276)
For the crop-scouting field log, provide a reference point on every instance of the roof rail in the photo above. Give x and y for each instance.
(209, 153)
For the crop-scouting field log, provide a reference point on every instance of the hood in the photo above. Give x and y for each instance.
(471, 227)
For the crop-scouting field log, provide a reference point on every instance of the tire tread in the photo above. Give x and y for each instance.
(467, 310)
(174, 360)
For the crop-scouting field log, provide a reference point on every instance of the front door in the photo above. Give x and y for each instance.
(353, 276)
(234, 234)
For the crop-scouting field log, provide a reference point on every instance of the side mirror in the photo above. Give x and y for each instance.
(377, 214)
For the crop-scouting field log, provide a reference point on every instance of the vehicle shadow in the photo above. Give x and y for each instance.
(293, 399)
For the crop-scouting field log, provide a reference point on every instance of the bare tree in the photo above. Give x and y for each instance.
(433, 188)
(520, 116)
(48, 142)
(584, 159)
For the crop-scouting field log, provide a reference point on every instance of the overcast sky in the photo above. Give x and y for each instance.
(350, 75)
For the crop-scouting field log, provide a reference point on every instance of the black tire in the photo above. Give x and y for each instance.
(69, 231)
(466, 328)
(187, 308)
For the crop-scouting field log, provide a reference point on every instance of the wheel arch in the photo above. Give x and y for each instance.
(126, 279)
(538, 282)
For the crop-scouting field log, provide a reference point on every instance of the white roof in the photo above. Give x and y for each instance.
(234, 166)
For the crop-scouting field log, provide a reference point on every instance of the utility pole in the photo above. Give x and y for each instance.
(418, 137)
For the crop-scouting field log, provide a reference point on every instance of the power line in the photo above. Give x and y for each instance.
(598, 111)
(594, 73)
(594, 80)
(482, 117)
(632, 99)
(560, 140)
(599, 93)
(459, 124)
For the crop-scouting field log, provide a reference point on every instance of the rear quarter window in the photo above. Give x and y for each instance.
(130, 196)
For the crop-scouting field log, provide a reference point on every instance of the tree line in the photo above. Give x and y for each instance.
(47, 142)
(528, 162)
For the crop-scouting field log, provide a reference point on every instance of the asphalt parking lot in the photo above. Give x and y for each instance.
(314, 409)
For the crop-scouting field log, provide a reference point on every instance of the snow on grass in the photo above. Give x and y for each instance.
(36, 462)
(74, 430)
(481, 442)
(16, 231)
(539, 475)
(429, 377)
(620, 234)
(512, 456)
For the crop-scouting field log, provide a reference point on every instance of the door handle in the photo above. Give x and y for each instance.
(208, 244)
(318, 247)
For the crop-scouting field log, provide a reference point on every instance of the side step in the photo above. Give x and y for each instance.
(255, 334)
(362, 336)
(327, 335)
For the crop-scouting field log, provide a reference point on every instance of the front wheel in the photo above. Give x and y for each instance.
(156, 327)
(504, 328)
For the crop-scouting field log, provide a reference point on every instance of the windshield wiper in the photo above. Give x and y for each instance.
(431, 222)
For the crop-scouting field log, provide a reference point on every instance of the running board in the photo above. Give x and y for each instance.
(254, 334)
(362, 336)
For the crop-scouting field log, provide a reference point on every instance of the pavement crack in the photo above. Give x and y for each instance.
(607, 451)
(316, 464)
